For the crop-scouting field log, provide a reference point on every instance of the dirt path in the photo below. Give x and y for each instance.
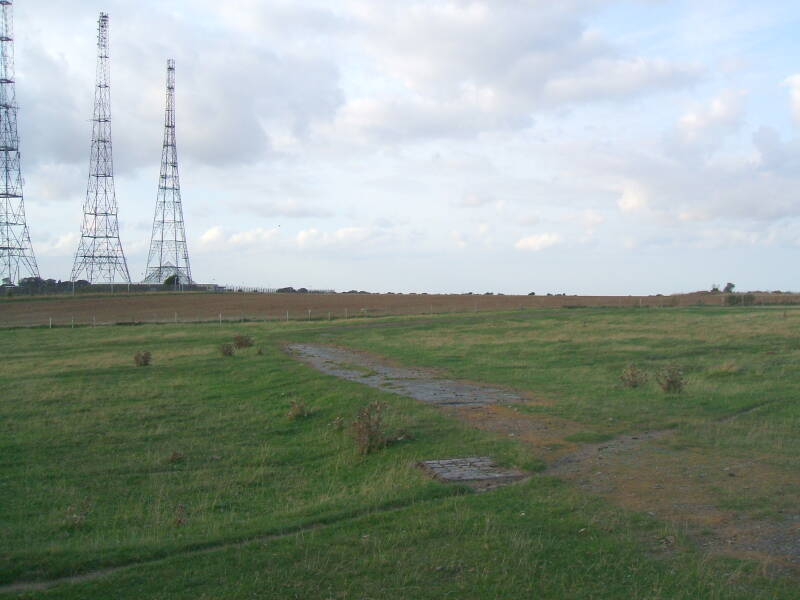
(640, 472)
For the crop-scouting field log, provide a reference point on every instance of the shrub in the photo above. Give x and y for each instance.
(227, 350)
(243, 341)
(633, 377)
(142, 359)
(176, 457)
(369, 430)
(77, 513)
(298, 410)
(671, 379)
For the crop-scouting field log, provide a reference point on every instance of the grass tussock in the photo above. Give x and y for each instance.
(671, 379)
(633, 377)
(227, 349)
(298, 410)
(243, 341)
(369, 429)
(371, 432)
(142, 359)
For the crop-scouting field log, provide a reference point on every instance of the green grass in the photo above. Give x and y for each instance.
(104, 464)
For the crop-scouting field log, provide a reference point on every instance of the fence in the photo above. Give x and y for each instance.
(233, 308)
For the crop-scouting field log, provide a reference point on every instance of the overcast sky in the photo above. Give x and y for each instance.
(578, 146)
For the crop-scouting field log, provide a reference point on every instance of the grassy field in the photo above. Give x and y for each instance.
(190, 476)
(166, 307)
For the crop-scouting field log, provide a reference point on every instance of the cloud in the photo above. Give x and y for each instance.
(346, 236)
(211, 236)
(793, 83)
(537, 242)
(706, 125)
(456, 69)
(634, 197)
(258, 235)
(63, 245)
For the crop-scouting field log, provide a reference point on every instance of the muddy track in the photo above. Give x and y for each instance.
(640, 472)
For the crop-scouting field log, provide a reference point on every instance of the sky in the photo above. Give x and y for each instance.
(580, 147)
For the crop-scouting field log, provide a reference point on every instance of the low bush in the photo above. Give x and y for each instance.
(227, 349)
(369, 429)
(633, 377)
(243, 341)
(298, 410)
(671, 379)
(142, 359)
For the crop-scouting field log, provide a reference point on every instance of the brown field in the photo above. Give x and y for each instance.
(194, 307)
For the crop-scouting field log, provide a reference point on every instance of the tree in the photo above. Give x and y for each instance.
(171, 281)
(729, 287)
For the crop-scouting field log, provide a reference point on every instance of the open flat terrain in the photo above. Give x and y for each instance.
(195, 478)
(199, 307)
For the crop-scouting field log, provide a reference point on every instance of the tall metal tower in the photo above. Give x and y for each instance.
(16, 252)
(168, 252)
(100, 257)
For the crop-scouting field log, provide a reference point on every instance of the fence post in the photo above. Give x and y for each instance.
(329, 315)
(287, 316)
(220, 319)
(72, 324)
(51, 322)
(94, 320)
(309, 314)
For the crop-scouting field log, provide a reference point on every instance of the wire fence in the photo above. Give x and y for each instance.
(54, 314)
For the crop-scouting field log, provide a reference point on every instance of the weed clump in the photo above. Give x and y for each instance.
(298, 410)
(671, 379)
(176, 457)
(633, 377)
(142, 359)
(369, 429)
(181, 515)
(227, 349)
(243, 341)
(77, 513)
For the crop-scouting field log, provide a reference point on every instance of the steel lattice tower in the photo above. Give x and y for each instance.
(168, 252)
(16, 252)
(100, 257)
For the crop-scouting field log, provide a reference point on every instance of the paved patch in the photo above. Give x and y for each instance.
(480, 472)
(413, 383)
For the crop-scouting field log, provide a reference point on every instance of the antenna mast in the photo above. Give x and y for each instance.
(16, 252)
(100, 257)
(169, 255)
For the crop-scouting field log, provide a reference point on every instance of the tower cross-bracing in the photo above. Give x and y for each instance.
(16, 252)
(169, 255)
(100, 258)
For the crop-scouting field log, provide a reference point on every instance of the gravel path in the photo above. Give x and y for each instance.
(414, 383)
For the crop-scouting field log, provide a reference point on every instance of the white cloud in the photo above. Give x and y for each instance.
(706, 125)
(63, 245)
(346, 236)
(793, 83)
(211, 236)
(254, 236)
(634, 198)
(537, 242)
